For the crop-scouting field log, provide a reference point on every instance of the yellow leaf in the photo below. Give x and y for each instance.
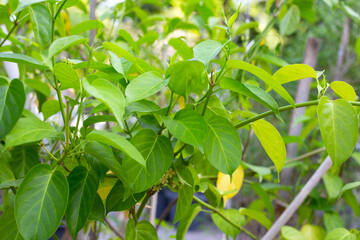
(181, 102)
(105, 187)
(223, 183)
(67, 22)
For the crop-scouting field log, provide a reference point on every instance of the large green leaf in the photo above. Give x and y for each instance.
(271, 141)
(40, 202)
(41, 22)
(22, 59)
(28, 130)
(185, 77)
(8, 227)
(115, 200)
(252, 92)
(63, 43)
(23, 158)
(294, 72)
(207, 50)
(12, 101)
(185, 223)
(290, 21)
(234, 215)
(223, 145)
(340, 234)
(158, 154)
(144, 86)
(109, 94)
(83, 185)
(86, 26)
(338, 123)
(189, 127)
(263, 75)
(38, 85)
(118, 142)
(142, 230)
(67, 76)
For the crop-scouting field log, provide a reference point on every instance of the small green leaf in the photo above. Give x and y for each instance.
(118, 142)
(184, 201)
(142, 106)
(258, 216)
(41, 22)
(290, 233)
(63, 43)
(10, 183)
(86, 26)
(98, 118)
(185, 77)
(271, 141)
(158, 154)
(294, 72)
(8, 227)
(234, 215)
(260, 170)
(349, 186)
(338, 122)
(333, 185)
(40, 202)
(223, 145)
(245, 26)
(185, 223)
(22, 59)
(357, 47)
(116, 63)
(115, 200)
(182, 48)
(22, 133)
(189, 127)
(234, 17)
(214, 108)
(49, 108)
(83, 185)
(290, 22)
(313, 232)
(206, 51)
(12, 101)
(332, 220)
(142, 230)
(344, 90)
(340, 234)
(144, 86)
(67, 76)
(263, 75)
(109, 94)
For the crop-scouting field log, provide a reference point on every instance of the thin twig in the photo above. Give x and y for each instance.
(166, 212)
(113, 229)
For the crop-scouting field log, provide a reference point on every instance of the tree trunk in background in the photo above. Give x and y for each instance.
(345, 38)
(302, 95)
(92, 17)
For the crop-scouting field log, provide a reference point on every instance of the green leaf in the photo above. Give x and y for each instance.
(245, 26)
(294, 72)
(184, 201)
(158, 154)
(271, 141)
(86, 26)
(290, 22)
(263, 75)
(83, 185)
(290, 233)
(333, 185)
(144, 86)
(67, 76)
(38, 85)
(142, 230)
(272, 59)
(22, 59)
(8, 227)
(115, 200)
(49, 108)
(213, 195)
(22, 4)
(338, 122)
(185, 223)
(40, 202)
(223, 145)
(116, 63)
(109, 94)
(264, 196)
(63, 43)
(117, 141)
(332, 220)
(340, 234)
(214, 108)
(41, 22)
(357, 47)
(23, 158)
(252, 92)
(234, 17)
(5, 173)
(351, 13)
(344, 90)
(98, 118)
(232, 214)
(149, 121)
(185, 77)
(104, 154)
(97, 212)
(313, 232)
(182, 48)
(258, 216)
(189, 127)
(260, 170)
(142, 106)
(10, 183)
(12, 101)
(351, 200)
(349, 186)
(206, 51)
(22, 133)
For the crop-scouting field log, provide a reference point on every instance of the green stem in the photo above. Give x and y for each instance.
(16, 23)
(215, 210)
(180, 150)
(55, 237)
(143, 204)
(52, 156)
(169, 107)
(208, 97)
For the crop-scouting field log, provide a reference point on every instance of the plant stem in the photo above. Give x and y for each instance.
(52, 156)
(171, 99)
(207, 98)
(215, 210)
(16, 23)
(166, 212)
(113, 229)
(55, 237)
(282, 109)
(143, 204)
